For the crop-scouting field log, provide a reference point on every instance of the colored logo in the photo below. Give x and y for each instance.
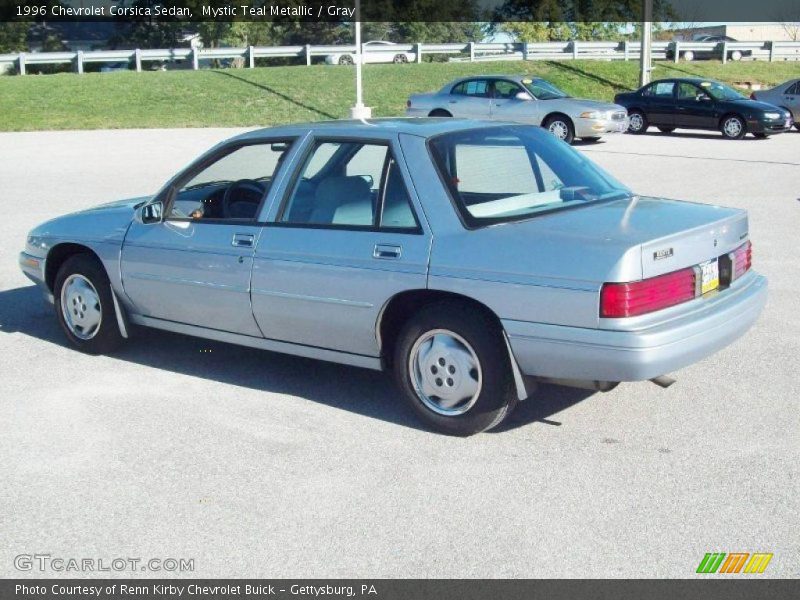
(735, 562)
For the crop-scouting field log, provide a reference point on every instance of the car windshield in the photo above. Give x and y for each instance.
(720, 91)
(501, 174)
(543, 90)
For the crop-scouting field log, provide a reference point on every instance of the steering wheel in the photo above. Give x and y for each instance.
(244, 191)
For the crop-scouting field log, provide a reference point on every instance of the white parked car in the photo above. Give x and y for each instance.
(373, 52)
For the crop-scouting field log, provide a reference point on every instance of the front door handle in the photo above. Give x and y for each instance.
(243, 240)
(387, 251)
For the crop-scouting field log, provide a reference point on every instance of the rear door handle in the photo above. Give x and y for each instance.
(243, 240)
(387, 251)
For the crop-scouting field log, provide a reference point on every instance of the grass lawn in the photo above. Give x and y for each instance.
(274, 95)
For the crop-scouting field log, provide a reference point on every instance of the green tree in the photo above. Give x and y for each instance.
(14, 36)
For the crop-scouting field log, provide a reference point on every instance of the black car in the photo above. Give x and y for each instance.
(701, 104)
(694, 53)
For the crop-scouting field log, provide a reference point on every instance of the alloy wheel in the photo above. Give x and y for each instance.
(80, 305)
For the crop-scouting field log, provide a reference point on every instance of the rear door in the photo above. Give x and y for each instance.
(791, 99)
(347, 236)
(470, 99)
(660, 103)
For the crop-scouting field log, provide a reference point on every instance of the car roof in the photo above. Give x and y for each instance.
(380, 128)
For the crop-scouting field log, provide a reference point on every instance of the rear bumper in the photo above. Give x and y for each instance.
(555, 351)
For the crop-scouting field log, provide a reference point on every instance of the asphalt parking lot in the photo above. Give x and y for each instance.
(262, 465)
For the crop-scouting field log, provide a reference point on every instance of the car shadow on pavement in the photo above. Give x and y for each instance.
(266, 88)
(688, 134)
(361, 391)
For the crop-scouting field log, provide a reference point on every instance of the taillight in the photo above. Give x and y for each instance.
(742, 259)
(648, 295)
(408, 103)
(753, 96)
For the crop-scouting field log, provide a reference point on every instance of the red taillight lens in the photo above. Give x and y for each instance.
(648, 295)
(742, 259)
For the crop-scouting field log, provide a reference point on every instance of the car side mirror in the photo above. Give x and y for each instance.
(523, 96)
(704, 98)
(151, 213)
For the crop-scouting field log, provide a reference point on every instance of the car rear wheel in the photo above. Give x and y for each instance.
(666, 129)
(84, 305)
(733, 127)
(637, 122)
(345, 59)
(400, 58)
(688, 55)
(439, 113)
(561, 127)
(451, 365)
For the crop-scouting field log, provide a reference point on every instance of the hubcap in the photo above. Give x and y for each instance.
(733, 127)
(80, 305)
(635, 124)
(445, 372)
(559, 129)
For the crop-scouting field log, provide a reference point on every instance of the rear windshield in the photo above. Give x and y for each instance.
(500, 174)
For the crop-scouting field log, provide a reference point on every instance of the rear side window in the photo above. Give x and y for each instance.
(793, 90)
(473, 87)
(350, 184)
(662, 89)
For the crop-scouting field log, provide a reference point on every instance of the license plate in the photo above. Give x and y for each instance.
(710, 276)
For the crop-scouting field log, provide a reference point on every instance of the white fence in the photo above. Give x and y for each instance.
(468, 52)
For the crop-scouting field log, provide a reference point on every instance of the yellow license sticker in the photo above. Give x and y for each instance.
(710, 276)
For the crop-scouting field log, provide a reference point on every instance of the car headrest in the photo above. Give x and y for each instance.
(334, 192)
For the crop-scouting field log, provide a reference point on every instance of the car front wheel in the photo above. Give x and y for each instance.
(733, 127)
(452, 366)
(561, 127)
(400, 58)
(637, 122)
(84, 305)
(346, 59)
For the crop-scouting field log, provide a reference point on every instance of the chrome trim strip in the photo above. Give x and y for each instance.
(340, 301)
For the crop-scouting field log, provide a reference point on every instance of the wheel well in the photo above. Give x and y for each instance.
(400, 308)
(56, 257)
(557, 114)
(439, 112)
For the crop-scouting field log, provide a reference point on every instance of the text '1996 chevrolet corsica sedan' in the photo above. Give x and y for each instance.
(470, 259)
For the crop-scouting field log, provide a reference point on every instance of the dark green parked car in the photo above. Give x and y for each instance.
(684, 103)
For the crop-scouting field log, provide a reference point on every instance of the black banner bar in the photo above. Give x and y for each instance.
(738, 588)
(687, 12)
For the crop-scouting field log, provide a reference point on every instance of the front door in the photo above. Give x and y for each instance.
(347, 238)
(694, 108)
(507, 107)
(194, 266)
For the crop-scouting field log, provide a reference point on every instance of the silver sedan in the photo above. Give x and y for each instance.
(522, 99)
(786, 95)
(470, 260)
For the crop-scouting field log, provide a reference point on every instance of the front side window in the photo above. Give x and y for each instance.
(350, 184)
(689, 91)
(509, 173)
(232, 186)
(506, 89)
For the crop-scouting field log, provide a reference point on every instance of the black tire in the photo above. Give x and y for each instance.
(564, 124)
(106, 337)
(345, 59)
(439, 112)
(496, 395)
(642, 127)
(727, 129)
(760, 136)
(797, 126)
(400, 58)
(666, 129)
(591, 140)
